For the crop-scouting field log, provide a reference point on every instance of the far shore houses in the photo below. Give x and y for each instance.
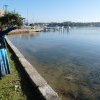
(2, 12)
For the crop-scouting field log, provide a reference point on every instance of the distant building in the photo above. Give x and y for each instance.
(2, 12)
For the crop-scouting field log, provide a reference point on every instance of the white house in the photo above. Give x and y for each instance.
(2, 12)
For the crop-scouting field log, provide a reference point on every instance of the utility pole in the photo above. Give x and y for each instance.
(27, 16)
(5, 8)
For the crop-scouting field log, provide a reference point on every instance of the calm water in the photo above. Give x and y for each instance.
(69, 61)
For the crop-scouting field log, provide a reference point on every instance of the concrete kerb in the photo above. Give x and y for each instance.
(47, 92)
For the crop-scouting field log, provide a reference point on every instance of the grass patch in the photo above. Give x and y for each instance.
(10, 86)
(16, 86)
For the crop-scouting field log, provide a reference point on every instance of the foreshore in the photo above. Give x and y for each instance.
(19, 31)
(42, 88)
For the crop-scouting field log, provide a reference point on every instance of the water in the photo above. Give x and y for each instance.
(69, 61)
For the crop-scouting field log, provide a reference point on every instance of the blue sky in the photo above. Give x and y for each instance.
(56, 10)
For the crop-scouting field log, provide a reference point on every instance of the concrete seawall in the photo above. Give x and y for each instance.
(45, 90)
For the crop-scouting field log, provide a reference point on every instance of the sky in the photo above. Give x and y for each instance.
(55, 10)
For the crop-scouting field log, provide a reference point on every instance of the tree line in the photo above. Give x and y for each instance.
(74, 24)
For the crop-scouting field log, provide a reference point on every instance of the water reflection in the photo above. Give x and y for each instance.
(26, 36)
(69, 61)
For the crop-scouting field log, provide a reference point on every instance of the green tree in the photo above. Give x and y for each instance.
(11, 18)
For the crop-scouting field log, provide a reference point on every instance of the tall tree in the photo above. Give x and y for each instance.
(11, 18)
